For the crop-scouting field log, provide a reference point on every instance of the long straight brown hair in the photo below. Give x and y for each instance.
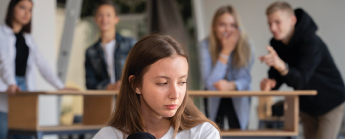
(241, 54)
(127, 116)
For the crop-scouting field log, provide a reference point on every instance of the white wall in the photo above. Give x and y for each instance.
(328, 15)
(3, 9)
(43, 28)
(43, 24)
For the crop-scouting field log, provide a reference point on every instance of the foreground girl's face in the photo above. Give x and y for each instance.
(164, 86)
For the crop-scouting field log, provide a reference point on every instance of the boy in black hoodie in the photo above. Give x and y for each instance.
(299, 58)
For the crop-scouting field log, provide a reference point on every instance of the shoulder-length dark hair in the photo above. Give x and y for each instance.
(127, 116)
(10, 16)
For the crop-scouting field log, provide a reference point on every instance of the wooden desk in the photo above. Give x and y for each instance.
(98, 106)
(291, 112)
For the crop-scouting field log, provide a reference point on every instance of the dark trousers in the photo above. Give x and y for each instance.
(226, 108)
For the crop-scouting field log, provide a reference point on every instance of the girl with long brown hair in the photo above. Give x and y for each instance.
(226, 59)
(153, 96)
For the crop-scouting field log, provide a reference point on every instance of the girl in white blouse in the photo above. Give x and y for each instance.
(153, 96)
(18, 57)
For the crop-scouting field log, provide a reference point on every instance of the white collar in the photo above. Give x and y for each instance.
(7, 29)
(169, 134)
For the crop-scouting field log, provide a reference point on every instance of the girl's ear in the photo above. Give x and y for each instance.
(137, 90)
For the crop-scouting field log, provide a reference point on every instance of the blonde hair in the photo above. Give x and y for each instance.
(127, 116)
(242, 52)
(279, 5)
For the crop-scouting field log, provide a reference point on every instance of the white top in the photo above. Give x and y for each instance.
(202, 131)
(7, 64)
(109, 54)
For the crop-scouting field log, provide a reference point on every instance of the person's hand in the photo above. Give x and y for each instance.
(224, 85)
(267, 84)
(273, 60)
(12, 89)
(229, 41)
(114, 86)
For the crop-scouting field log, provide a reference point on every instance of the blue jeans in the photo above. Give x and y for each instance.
(21, 83)
(3, 125)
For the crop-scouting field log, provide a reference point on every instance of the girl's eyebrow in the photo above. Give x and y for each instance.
(166, 77)
(183, 76)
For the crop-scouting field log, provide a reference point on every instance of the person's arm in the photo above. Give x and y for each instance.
(7, 73)
(45, 69)
(298, 76)
(210, 74)
(243, 78)
(275, 75)
(114, 86)
(90, 77)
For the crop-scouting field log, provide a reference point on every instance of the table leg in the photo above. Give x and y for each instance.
(291, 113)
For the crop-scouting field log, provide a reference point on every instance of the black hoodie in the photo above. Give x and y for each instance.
(311, 67)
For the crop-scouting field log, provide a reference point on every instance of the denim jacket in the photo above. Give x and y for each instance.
(96, 73)
(241, 77)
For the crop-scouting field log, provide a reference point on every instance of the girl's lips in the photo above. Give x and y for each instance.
(171, 107)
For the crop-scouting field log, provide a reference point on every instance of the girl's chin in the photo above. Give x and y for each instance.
(169, 114)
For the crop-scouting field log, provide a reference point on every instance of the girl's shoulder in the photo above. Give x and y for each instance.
(206, 129)
(109, 132)
(202, 131)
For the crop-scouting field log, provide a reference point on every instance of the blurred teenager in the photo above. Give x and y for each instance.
(226, 58)
(105, 59)
(299, 58)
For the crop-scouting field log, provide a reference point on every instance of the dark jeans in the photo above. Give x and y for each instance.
(226, 108)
